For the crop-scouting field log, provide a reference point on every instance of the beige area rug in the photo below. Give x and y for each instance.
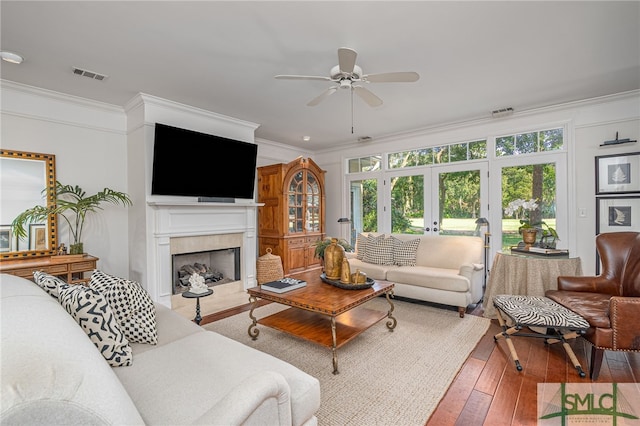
(386, 378)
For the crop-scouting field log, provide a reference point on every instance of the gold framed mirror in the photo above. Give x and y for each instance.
(24, 177)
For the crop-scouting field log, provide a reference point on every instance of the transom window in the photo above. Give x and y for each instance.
(528, 143)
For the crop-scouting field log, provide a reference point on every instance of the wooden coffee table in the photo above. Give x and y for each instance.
(322, 313)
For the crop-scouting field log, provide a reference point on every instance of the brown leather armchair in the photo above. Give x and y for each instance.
(610, 302)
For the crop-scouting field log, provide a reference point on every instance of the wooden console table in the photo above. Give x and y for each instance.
(70, 268)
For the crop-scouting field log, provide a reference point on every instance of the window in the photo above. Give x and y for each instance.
(438, 155)
(365, 164)
(528, 143)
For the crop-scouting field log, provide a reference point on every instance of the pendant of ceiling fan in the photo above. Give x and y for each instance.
(346, 73)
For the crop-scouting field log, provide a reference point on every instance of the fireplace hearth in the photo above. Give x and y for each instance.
(215, 266)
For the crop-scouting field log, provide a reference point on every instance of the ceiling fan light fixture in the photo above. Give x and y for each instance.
(11, 57)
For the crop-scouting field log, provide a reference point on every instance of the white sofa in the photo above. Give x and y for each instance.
(53, 374)
(448, 270)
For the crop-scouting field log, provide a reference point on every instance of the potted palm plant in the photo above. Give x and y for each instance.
(71, 203)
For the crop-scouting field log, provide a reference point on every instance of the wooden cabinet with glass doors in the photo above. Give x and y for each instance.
(292, 217)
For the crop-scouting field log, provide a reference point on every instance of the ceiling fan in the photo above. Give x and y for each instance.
(348, 75)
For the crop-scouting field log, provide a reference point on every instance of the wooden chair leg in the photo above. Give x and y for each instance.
(596, 362)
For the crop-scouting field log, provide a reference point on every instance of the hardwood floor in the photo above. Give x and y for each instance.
(489, 390)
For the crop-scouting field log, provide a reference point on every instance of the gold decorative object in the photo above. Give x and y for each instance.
(358, 277)
(345, 274)
(333, 256)
(529, 237)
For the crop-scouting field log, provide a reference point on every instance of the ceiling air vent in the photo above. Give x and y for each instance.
(364, 139)
(503, 112)
(89, 74)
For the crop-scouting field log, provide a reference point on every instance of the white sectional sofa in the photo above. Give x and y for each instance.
(53, 374)
(446, 269)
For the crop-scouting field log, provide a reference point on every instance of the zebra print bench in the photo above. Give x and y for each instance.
(560, 323)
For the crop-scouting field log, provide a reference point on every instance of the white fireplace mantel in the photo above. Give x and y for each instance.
(183, 219)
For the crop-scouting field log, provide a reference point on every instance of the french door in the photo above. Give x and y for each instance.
(441, 200)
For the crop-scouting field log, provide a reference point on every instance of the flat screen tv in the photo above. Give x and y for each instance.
(194, 164)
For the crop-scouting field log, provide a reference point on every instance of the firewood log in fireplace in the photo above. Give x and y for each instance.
(210, 275)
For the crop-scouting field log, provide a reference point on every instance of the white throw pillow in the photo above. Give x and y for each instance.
(404, 252)
(92, 312)
(379, 250)
(131, 305)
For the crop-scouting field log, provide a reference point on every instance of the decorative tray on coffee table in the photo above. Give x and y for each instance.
(370, 282)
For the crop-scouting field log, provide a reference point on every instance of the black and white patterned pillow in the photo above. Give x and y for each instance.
(361, 246)
(49, 283)
(131, 305)
(379, 250)
(404, 252)
(92, 312)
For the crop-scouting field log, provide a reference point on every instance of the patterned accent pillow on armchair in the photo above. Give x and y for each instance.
(131, 305)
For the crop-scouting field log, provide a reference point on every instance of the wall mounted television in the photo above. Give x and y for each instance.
(194, 164)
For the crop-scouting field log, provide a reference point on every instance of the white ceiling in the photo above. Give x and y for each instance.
(472, 57)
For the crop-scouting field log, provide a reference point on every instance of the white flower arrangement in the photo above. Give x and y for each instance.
(197, 284)
(521, 206)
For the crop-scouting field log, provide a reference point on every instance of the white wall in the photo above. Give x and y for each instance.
(93, 143)
(89, 142)
(590, 123)
(98, 145)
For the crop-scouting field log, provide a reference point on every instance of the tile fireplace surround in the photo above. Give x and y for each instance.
(187, 227)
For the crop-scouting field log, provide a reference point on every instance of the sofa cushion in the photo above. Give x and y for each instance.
(173, 327)
(373, 271)
(92, 312)
(49, 283)
(227, 364)
(437, 278)
(131, 305)
(51, 372)
(379, 250)
(404, 252)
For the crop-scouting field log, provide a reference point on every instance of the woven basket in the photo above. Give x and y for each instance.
(269, 268)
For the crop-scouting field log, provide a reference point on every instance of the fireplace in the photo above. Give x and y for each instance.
(216, 267)
(188, 228)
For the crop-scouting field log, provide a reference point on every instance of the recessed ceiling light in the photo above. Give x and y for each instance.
(11, 57)
(306, 138)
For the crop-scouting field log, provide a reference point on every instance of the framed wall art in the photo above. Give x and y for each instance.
(617, 214)
(37, 236)
(618, 174)
(6, 238)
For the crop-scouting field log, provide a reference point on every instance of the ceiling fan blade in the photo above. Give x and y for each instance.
(302, 77)
(347, 59)
(326, 93)
(392, 77)
(367, 96)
